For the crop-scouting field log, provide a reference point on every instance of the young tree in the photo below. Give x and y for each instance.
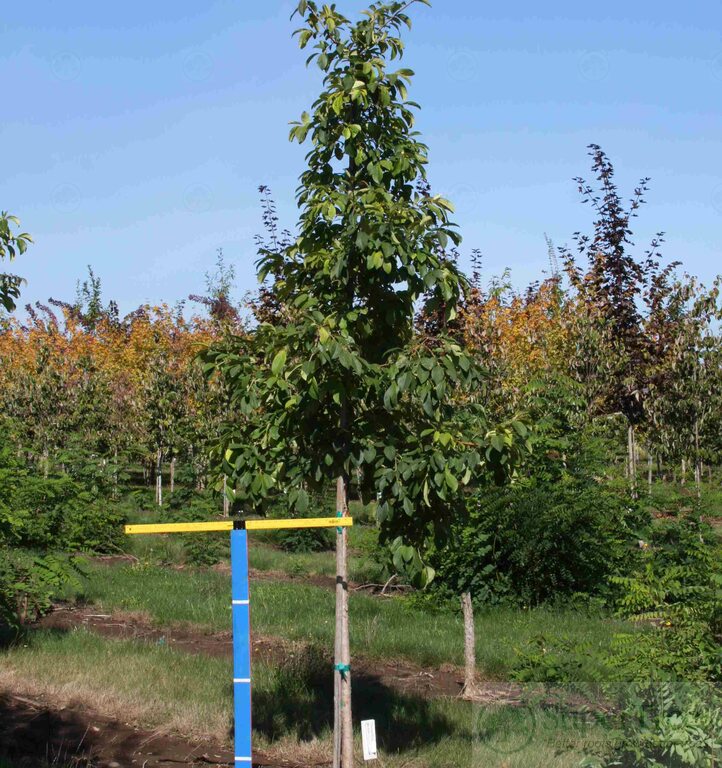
(218, 296)
(342, 388)
(687, 384)
(613, 355)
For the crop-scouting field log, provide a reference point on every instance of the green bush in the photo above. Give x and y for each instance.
(305, 539)
(678, 590)
(665, 709)
(40, 517)
(558, 660)
(186, 505)
(302, 504)
(663, 725)
(537, 543)
(91, 526)
(28, 582)
(57, 513)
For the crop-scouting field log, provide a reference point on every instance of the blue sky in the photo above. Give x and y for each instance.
(134, 135)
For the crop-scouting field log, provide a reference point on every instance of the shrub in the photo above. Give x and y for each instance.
(535, 543)
(28, 582)
(186, 505)
(56, 513)
(40, 516)
(558, 660)
(304, 504)
(305, 539)
(677, 589)
(663, 725)
(667, 706)
(90, 526)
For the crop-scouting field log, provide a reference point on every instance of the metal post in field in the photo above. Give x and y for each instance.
(241, 610)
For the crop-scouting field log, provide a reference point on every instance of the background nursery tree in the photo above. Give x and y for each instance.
(613, 349)
(343, 389)
(10, 245)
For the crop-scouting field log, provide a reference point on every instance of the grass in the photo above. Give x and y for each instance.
(363, 569)
(142, 683)
(380, 628)
(675, 499)
(159, 687)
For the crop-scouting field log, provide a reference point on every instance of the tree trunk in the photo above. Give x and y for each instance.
(683, 481)
(467, 608)
(650, 473)
(343, 723)
(172, 475)
(226, 505)
(632, 460)
(697, 461)
(115, 472)
(159, 478)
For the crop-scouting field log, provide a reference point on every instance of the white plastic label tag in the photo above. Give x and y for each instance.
(368, 738)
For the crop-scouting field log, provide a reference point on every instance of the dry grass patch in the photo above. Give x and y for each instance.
(151, 686)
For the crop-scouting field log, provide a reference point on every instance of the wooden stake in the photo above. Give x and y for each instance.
(467, 608)
(697, 462)
(343, 721)
(337, 725)
(226, 504)
(159, 478)
(631, 460)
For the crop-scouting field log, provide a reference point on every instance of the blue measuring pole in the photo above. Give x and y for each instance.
(241, 646)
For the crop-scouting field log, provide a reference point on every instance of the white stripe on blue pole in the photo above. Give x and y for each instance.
(241, 646)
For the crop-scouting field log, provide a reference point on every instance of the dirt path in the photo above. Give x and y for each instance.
(32, 730)
(401, 676)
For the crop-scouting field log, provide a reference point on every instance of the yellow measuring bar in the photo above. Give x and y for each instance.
(299, 522)
(250, 525)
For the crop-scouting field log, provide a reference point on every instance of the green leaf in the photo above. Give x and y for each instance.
(451, 481)
(302, 502)
(279, 361)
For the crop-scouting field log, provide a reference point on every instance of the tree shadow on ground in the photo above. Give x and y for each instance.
(299, 700)
(8, 636)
